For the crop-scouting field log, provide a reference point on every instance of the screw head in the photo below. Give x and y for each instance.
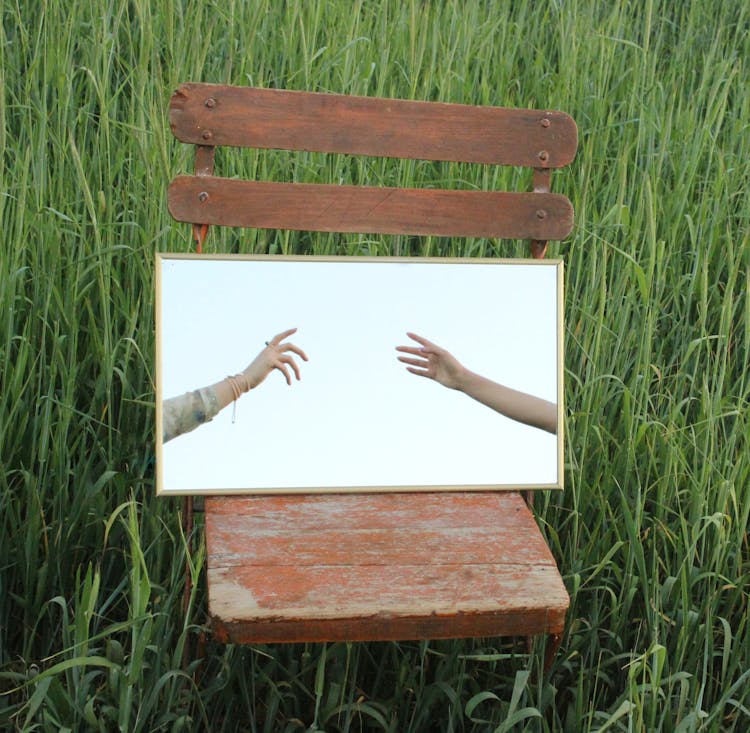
(202, 196)
(206, 135)
(541, 214)
(545, 122)
(210, 103)
(543, 156)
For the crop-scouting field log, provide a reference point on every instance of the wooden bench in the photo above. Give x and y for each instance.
(375, 566)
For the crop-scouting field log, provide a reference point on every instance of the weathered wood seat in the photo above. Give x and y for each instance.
(378, 567)
(375, 566)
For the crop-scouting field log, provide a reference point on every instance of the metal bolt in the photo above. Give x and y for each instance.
(202, 196)
(541, 213)
(210, 103)
(545, 121)
(543, 156)
(206, 135)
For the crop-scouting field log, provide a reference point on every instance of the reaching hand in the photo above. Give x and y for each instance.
(274, 356)
(436, 363)
(432, 362)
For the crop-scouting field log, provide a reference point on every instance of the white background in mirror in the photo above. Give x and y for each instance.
(358, 418)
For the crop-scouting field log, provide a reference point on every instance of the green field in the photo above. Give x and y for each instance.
(651, 531)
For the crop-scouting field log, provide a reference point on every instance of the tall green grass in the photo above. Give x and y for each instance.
(651, 531)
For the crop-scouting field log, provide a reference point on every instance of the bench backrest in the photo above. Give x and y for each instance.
(210, 115)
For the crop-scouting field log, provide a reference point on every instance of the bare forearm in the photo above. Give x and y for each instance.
(519, 406)
(229, 389)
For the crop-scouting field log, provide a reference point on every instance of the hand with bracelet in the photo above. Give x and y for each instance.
(431, 361)
(186, 412)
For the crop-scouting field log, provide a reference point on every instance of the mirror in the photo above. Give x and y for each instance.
(357, 420)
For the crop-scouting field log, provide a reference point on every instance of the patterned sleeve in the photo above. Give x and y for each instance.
(186, 412)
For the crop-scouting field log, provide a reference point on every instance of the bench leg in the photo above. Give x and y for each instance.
(551, 647)
(187, 527)
(550, 650)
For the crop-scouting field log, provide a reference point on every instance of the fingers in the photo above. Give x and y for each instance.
(410, 350)
(424, 363)
(293, 364)
(420, 340)
(276, 343)
(426, 352)
(295, 349)
(278, 355)
(282, 368)
(425, 346)
(419, 372)
(420, 367)
(284, 363)
(279, 337)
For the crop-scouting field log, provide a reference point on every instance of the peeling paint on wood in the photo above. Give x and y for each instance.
(375, 566)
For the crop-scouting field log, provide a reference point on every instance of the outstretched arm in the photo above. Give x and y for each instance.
(186, 412)
(431, 361)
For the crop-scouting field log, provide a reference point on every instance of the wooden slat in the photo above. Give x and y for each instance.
(304, 592)
(214, 114)
(363, 209)
(367, 511)
(379, 566)
(373, 547)
(383, 627)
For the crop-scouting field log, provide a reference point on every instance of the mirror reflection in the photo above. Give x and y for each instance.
(365, 374)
